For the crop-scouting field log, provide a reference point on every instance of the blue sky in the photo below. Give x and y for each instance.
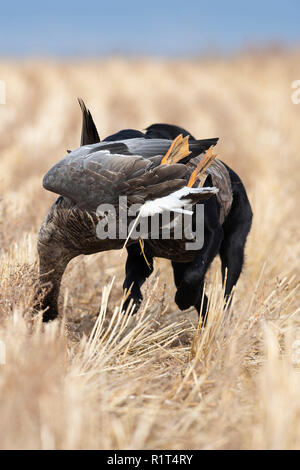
(159, 28)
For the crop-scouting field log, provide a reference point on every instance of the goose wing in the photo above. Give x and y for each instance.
(156, 141)
(102, 177)
(146, 147)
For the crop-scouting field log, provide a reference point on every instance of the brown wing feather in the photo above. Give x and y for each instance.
(89, 183)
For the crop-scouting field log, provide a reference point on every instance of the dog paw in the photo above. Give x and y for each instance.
(136, 302)
(186, 296)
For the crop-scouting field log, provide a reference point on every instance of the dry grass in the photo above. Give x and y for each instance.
(102, 380)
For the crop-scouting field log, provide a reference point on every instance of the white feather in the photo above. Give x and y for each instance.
(174, 202)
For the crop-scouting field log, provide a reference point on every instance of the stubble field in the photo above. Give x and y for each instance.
(97, 379)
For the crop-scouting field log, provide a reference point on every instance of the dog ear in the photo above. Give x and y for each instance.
(166, 131)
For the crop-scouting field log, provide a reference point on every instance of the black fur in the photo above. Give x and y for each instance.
(166, 131)
(125, 134)
(227, 240)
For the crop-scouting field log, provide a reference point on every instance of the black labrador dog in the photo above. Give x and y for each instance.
(226, 226)
(226, 238)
